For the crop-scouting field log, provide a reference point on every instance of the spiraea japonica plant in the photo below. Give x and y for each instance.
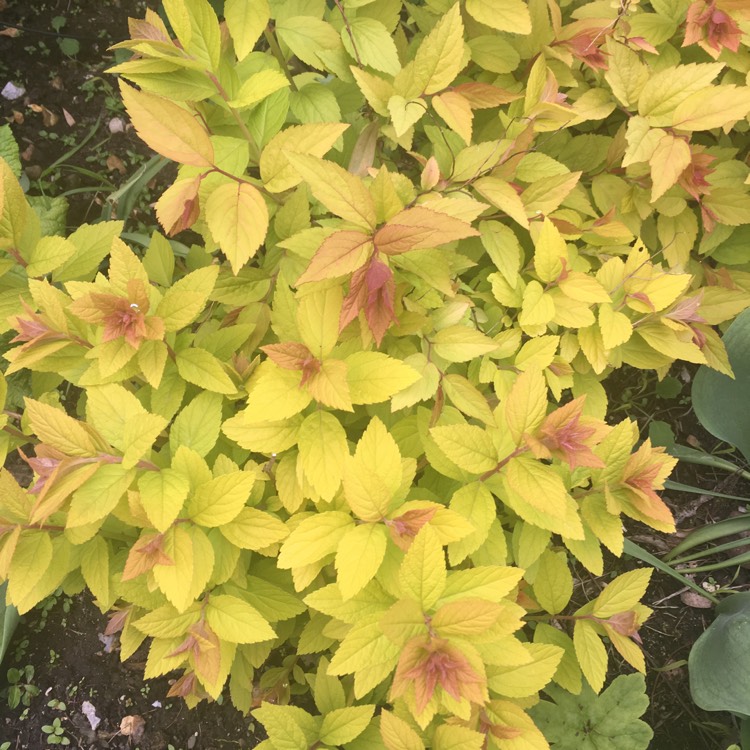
(353, 441)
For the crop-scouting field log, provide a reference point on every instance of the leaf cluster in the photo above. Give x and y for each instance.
(360, 423)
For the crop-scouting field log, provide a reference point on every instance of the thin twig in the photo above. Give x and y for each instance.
(349, 32)
(279, 55)
(235, 114)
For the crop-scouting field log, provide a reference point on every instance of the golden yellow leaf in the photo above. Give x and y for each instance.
(456, 112)
(312, 138)
(168, 128)
(669, 160)
(341, 192)
(238, 219)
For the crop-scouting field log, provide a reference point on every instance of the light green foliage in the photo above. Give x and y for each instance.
(609, 721)
(718, 671)
(428, 232)
(718, 400)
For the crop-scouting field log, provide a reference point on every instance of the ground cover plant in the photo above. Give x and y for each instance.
(358, 428)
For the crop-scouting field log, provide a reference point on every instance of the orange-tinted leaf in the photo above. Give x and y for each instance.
(147, 552)
(427, 663)
(484, 95)
(456, 112)
(568, 435)
(168, 128)
(420, 228)
(178, 207)
(339, 255)
(290, 355)
(381, 289)
(405, 527)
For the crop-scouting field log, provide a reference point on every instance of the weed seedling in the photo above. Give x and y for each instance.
(55, 733)
(21, 688)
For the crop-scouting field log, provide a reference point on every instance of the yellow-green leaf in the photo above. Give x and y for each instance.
(454, 737)
(318, 320)
(526, 405)
(712, 107)
(456, 112)
(163, 493)
(197, 425)
(201, 368)
(54, 427)
(538, 485)
(502, 194)
(372, 43)
(275, 395)
(591, 654)
(461, 343)
(439, 60)
(95, 568)
(343, 725)
(31, 558)
(667, 88)
(99, 495)
(397, 734)
(48, 255)
(219, 501)
(527, 679)
(359, 556)
(257, 87)
(550, 252)
(238, 219)
(307, 36)
(503, 15)
(311, 138)
(322, 451)
(186, 298)
(168, 128)
(669, 160)
(553, 585)
(246, 22)
(254, 529)
(234, 620)
(341, 192)
(374, 377)
(314, 538)
(623, 593)
(468, 446)
(423, 574)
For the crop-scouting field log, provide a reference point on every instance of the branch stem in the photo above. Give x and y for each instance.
(273, 44)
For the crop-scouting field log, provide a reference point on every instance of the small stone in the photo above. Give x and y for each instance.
(116, 125)
(88, 710)
(11, 91)
(109, 642)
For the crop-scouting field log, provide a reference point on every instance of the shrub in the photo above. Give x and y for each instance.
(354, 440)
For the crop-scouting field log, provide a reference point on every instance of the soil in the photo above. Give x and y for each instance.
(72, 664)
(61, 639)
(69, 99)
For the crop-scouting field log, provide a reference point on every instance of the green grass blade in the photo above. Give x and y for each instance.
(706, 534)
(636, 551)
(679, 487)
